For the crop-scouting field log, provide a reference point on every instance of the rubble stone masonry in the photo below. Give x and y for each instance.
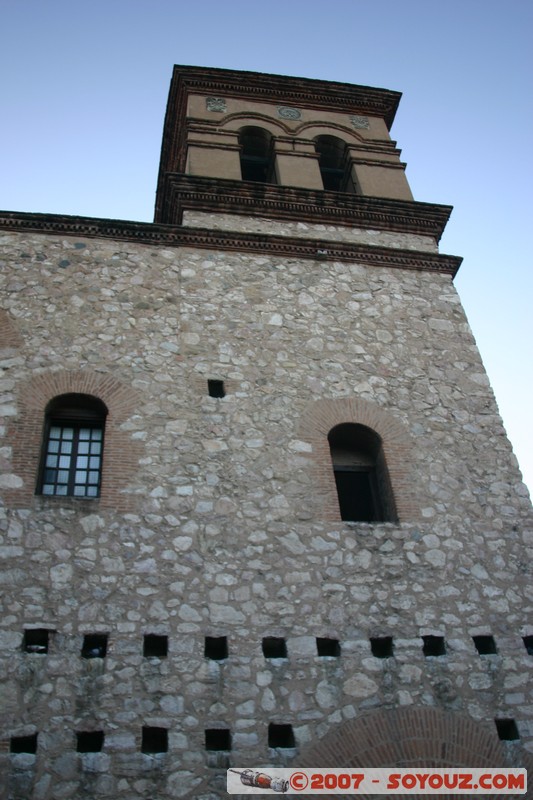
(219, 517)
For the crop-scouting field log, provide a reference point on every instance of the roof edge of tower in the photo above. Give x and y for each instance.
(305, 92)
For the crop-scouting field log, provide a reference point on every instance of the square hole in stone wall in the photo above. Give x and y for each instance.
(382, 646)
(155, 646)
(280, 736)
(328, 647)
(216, 647)
(433, 646)
(94, 645)
(507, 730)
(485, 645)
(528, 644)
(216, 388)
(274, 647)
(154, 740)
(89, 741)
(218, 739)
(23, 744)
(35, 640)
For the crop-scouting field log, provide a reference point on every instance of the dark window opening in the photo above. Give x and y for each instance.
(216, 388)
(382, 647)
(216, 647)
(218, 739)
(328, 647)
(274, 647)
(94, 645)
(257, 161)
(334, 164)
(280, 736)
(361, 476)
(485, 645)
(89, 741)
(433, 646)
(507, 730)
(155, 646)
(154, 740)
(23, 744)
(35, 640)
(528, 644)
(73, 445)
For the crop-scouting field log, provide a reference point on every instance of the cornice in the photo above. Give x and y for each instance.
(203, 238)
(285, 90)
(188, 193)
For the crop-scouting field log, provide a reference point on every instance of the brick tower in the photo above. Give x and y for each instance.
(258, 506)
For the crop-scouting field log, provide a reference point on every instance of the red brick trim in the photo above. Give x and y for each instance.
(10, 337)
(412, 736)
(121, 454)
(322, 415)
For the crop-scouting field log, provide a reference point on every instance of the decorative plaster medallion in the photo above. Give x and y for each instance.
(360, 122)
(289, 113)
(215, 104)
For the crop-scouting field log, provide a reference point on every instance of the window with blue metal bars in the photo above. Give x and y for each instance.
(73, 448)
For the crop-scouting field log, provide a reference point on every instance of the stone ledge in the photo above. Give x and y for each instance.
(176, 236)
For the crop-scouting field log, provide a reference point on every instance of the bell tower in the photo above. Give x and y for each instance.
(258, 505)
(279, 131)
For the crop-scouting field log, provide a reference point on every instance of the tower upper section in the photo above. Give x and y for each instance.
(281, 131)
(285, 148)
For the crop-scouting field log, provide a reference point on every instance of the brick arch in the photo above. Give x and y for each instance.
(121, 454)
(398, 448)
(310, 130)
(413, 736)
(10, 337)
(242, 119)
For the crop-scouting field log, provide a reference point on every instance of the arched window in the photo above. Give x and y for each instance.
(257, 163)
(332, 164)
(72, 447)
(361, 474)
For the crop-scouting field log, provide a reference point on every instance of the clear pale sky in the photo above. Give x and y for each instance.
(84, 87)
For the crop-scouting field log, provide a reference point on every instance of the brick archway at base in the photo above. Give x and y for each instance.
(412, 736)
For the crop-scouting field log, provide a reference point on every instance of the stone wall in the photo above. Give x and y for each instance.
(218, 517)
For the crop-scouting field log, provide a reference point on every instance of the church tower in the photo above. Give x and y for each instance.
(258, 505)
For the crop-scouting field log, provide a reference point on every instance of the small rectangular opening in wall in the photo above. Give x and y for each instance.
(23, 744)
(94, 645)
(274, 647)
(154, 740)
(155, 646)
(216, 647)
(507, 730)
(528, 644)
(382, 646)
(89, 741)
(216, 388)
(35, 640)
(433, 646)
(218, 739)
(485, 645)
(280, 736)
(328, 647)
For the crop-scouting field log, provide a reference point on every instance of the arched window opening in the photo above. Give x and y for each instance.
(257, 162)
(333, 164)
(73, 446)
(361, 475)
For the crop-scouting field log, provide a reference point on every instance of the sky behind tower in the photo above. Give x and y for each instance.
(84, 89)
